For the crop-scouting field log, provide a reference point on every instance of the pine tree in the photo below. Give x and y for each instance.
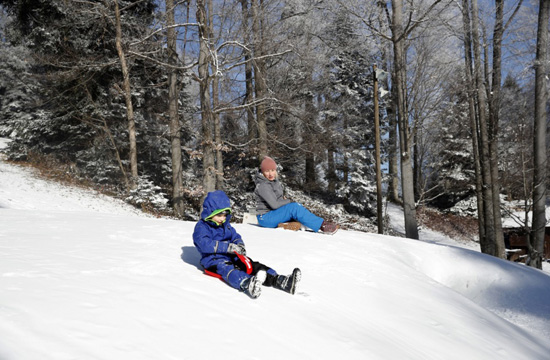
(349, 117)
(449, 165)
(78, 111)
(515, 140)
(17, 90)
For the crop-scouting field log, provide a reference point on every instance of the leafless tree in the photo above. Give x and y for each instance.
(207, 118)
(173, 96)
(400, 71)
(472, 94)
(488, 242)
(252, 126)
(259, 73)
(128, 98)
(539, 142)
(487, 80)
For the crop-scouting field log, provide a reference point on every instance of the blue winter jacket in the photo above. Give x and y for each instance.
(212, 239)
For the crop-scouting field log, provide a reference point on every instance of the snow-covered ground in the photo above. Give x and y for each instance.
(86, 277)
(397, 221)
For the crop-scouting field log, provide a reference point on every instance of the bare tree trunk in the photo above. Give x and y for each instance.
(117, 153)
(209, 171)
(379, 213)
(539, 142)
(218, 143)
(259, 75)
(393, 172)
(310, 142)
(417, 168)
(331, 171)
(310, 182)
(393, 191)
(217, 135)
(398, 39)
(128, 99)
(527, 194)
(175, 139)
(249, 86)
(345, 160)
(249, 89)
(472, 114)
(487, 243)
(494, 107)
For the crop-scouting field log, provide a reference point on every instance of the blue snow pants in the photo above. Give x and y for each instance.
(289, 212)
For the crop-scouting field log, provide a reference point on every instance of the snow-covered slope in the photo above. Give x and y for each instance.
(85, 277)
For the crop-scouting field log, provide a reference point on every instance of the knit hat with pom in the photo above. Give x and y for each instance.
(268, 164)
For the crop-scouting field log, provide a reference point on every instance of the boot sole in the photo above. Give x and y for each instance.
(296, 277)
(332, 232)
(254, 288)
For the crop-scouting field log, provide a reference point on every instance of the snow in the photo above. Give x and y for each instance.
(83, 276)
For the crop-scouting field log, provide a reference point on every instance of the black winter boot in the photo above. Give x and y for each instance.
(288, 283)
(252, 286)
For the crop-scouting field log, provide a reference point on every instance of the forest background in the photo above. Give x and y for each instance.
(160, 102)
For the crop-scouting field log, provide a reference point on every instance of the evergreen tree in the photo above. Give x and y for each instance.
(17, 90)
(349, 116)
(449, 163)
(515, 140)
(78, 110)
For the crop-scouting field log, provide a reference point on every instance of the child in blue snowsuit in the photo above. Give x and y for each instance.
(222, 248)
(273, 208)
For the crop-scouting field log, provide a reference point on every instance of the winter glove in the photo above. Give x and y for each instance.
(236, 248)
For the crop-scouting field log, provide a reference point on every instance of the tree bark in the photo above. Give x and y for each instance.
(345, 158)
(472, 115)
(416, 161)
(393, 162)
(209, 170)
(331, 171)
(487, 243)
(398, 40)
(309, 136)
(379, 214)
(175, 139)
(259, 76)
(218, 148)
(539, 142)
(494, 108)
(249, 87)
(128, 99)
(393, 191)
(218, 143)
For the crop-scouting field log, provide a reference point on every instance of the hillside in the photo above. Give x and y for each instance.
(84, 276)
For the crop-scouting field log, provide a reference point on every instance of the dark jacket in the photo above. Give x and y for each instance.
(210, 238)
(269, 194)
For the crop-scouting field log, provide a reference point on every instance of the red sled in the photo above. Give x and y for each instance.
(246, 261)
